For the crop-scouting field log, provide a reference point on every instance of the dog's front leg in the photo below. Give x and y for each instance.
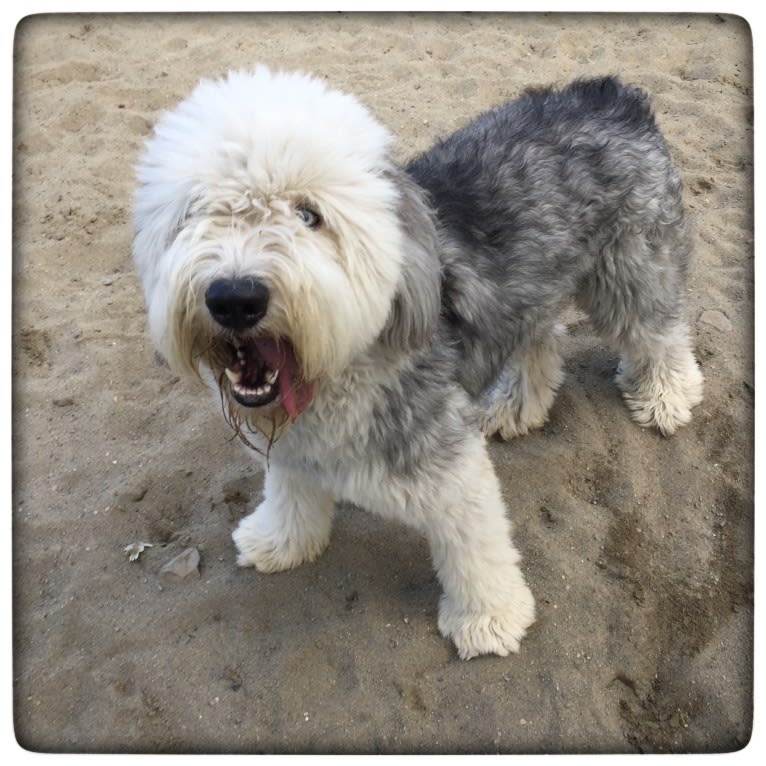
(486, 607)
(291, 526)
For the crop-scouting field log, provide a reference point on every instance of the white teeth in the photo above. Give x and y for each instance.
(241, 355)
(263, 390)
(271, 377)
(234, 377)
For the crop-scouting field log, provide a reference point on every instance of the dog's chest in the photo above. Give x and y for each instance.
(366, 442)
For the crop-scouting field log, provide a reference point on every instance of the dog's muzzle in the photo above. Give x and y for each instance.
(237, 305)
(260, 370)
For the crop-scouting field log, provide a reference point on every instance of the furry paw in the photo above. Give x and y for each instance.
(271, 549)
(498, 633)
(666, 416)
(665, 402)
(506, 423)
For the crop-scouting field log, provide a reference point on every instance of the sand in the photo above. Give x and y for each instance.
(639, 549)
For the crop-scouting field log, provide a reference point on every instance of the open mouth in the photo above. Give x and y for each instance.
(251, 381)
(260, 370)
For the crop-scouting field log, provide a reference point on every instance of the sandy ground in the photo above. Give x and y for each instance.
(639, 549)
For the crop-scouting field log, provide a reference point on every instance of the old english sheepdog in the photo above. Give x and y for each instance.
(366, 325)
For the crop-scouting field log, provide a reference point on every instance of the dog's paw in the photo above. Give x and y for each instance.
(272, 550)
(506, 423)
(664, 402)
(497, 633)
(666, 416)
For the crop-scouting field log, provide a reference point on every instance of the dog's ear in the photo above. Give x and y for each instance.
(415, 309)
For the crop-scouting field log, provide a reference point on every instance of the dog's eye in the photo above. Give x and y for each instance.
(309, 217)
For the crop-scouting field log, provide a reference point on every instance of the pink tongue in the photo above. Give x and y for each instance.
(296, 393)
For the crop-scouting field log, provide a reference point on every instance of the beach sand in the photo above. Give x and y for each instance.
(639, 549)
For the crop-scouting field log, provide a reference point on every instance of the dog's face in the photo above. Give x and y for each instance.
(274, 239)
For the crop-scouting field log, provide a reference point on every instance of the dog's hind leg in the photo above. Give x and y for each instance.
(521, 397)
(635, 299)
(660, 380)
(291, 526)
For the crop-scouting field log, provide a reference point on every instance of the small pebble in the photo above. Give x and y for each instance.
(715, 318)
(183, 566)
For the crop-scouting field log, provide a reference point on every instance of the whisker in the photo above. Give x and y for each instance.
(203, 351)
(235, 421)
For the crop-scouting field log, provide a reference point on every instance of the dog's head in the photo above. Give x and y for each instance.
(276, 241)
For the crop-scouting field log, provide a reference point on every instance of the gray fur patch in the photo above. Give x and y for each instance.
(415, 309)
(556, 197)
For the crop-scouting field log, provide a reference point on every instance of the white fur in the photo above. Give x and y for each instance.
(290, 527)
(660, 380)
(217, 185)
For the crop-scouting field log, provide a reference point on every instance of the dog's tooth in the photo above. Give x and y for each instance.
(241, 354)
(271, 377)
(234, 377)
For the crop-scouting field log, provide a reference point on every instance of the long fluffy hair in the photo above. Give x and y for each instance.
(219, 186)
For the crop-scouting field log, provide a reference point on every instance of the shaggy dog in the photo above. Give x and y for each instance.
(366, 325)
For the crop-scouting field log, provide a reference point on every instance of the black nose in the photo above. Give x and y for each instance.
(237, 304)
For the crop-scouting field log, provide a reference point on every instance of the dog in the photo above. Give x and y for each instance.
(366, 326)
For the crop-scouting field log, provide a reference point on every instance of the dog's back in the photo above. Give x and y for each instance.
(548, 162)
